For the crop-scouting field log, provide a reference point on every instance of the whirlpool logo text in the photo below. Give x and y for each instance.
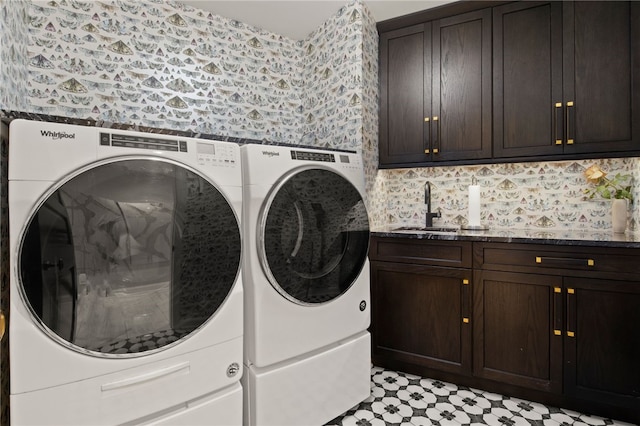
(270, 153)
(57, 135)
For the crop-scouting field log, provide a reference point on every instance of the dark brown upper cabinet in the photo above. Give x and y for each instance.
(405, 74)
(566, 78)
(435, 100)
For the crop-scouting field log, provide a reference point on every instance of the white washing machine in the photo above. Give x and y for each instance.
(306, 274)
(126, 302)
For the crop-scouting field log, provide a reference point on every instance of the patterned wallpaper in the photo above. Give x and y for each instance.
(540, 195)
(163, 64)
(332, 76)
(13, 49)
(341, 79)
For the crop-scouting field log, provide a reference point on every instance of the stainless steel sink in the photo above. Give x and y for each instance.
(427, 229)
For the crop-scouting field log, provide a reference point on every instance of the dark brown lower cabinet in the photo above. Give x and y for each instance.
(602, 342)
(549, 323)
(514, 339)
(421, 315)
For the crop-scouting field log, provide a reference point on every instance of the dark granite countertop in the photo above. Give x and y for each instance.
(531, 236)
(8, 115)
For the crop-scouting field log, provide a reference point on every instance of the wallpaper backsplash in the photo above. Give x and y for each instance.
(541, 195)
(164, 64)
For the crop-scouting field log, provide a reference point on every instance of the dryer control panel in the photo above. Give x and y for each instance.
(346, 159)
(312, 156)
(212, 154)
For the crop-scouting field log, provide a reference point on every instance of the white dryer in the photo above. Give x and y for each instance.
(306, 272)
(126, 299)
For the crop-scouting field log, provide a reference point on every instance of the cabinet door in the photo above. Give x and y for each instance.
(517, 329)
(461, 119)
(602, 343)
(527, 79)
(602, 75)
(420, 315)
(405, 95)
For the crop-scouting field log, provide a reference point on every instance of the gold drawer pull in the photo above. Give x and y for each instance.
(564, 261)
(3, 325)
(465, 320)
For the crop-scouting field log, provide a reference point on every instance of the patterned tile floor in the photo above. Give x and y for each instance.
(407, 400)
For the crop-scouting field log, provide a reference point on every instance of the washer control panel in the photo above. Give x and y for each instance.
(207, 153)
(142, 142)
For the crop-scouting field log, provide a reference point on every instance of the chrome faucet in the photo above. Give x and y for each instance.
(427, 201)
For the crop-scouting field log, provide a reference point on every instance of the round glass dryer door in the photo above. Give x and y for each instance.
(314, 236)
(129, 256)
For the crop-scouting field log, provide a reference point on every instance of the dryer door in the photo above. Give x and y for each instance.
(128, 256)
(314, 236)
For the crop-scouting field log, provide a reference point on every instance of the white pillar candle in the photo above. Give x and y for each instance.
(474, 205)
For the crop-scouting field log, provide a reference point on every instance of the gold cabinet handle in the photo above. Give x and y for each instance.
(427, 135)
(570, 105)
(466, 301)
(557, 311)
(436, 139)
(3, 324)
(571, 312)
(557, 126)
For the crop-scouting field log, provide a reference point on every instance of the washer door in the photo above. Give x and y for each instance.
(128, 256)
(314, 236)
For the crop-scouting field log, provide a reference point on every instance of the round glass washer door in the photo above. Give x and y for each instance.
(314, 236)
(128, 256)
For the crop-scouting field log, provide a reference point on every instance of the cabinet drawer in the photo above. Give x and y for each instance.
(455, 254)
(556, 259)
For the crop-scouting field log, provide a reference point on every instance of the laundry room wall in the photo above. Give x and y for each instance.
(162, 64)
(341, 86)
(165, 64)
(14, 39)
